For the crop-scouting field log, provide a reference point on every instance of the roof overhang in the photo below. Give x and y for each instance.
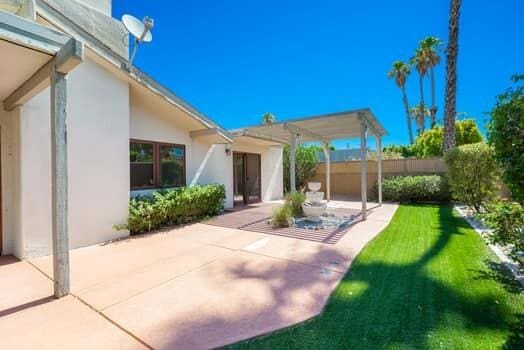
(29, 52)
(324, 128)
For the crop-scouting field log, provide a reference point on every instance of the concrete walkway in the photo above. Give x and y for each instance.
(194, 287)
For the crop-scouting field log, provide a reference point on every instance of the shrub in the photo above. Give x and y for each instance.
(506, 135)
(305, 164)
(282, 216)
(295, 201)
(429, 188)
(174, 206)
(473, 174)
(507, 221)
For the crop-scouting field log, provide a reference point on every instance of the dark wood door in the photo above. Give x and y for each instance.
(246, 178)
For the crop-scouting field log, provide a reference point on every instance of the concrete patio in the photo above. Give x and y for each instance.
(193, 287)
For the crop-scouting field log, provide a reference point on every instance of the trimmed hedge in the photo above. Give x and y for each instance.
(428, 188)
(174, 207)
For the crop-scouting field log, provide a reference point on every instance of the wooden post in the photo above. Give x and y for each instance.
(60, 238)
(363, 169)
(379, 167)
(325, 146)
(292, 160)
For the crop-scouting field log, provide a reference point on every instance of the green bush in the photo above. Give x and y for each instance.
(507, 221)
(174, 206)
(506, 135)
(428, 188)
(473, 174)
(281, 216)
(295, 201)
(305, 165)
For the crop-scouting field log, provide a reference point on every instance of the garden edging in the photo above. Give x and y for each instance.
(482, 230)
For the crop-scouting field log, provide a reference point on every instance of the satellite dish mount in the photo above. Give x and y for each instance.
(140, 30)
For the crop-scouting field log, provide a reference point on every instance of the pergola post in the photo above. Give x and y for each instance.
(363, 168)
(60, 238)
(379, 167)
(292, 161)
(325, 146)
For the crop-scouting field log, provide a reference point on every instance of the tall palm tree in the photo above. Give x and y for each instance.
(430, 47)
(451, 76)
(420, 62)
(419, 116)
(268, 118)
(400, 72)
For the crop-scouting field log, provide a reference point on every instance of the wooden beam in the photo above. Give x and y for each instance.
(378, 140)
(255, 135)
(301, 131)
(325, 146)
(363, 169)
(67, 58)
(60, 236)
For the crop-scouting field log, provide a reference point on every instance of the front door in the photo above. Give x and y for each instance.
(246, 178)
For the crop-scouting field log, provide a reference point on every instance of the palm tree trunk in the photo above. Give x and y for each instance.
(422, 109)
(433, 110)
(408, 117)
(451, 76)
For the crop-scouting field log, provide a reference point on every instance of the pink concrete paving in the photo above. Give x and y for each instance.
(193, 287)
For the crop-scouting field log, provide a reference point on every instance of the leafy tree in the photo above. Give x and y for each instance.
(473, 174)
(400, 72)
(405, 151)
(430, 47)
(305, 163)
(429, 143)
(506, 135)
(451, 75)
(268, 118)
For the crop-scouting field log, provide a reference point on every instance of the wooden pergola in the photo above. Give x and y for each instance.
(327, 128)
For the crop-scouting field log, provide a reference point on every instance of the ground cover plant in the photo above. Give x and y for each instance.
(428, 281)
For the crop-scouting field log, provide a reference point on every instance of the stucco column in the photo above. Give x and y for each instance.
(379, 167)
(60, 237)
(292, 158)
(363, 169)
(325, 146)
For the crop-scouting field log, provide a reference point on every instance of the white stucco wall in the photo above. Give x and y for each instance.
(205, 163)
(271, 168)
(10, 167)
(98, 169)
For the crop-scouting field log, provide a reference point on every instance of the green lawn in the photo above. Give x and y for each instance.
(427, 281)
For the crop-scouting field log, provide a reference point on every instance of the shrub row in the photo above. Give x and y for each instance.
(429, 188)
(174, 207)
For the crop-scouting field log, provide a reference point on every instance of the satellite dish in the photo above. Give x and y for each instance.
(141, 30)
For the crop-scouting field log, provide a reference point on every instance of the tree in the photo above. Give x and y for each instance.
(473, 174)
(429, 143)
(400, 72)
(268, 118)
(451, 76)
(506, 135)
(420, 62)
(305, 164)
(430, 47)
(416, 113)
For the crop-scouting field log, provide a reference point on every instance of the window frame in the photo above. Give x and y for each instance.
(157, 173)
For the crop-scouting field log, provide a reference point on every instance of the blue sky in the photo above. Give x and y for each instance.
(235, 60)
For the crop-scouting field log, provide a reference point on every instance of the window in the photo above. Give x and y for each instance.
(156, 165)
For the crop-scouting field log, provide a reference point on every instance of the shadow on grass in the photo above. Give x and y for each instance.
(410, 288)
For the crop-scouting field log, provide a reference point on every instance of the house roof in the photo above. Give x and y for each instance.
(326, 127)
(54, 16)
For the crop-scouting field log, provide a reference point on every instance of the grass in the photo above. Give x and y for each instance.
(427, 282)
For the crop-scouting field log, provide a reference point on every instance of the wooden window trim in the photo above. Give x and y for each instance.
(156, 163)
